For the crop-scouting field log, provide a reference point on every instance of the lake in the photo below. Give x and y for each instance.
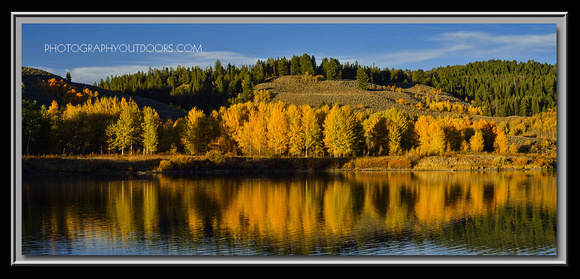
(329, 213)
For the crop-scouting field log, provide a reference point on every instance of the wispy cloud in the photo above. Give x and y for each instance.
(202, 59)
(487, 43)
(472, 45)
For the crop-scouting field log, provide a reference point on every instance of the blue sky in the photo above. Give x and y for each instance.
(400, 46)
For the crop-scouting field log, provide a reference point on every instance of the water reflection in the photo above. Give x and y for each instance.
(343, 213)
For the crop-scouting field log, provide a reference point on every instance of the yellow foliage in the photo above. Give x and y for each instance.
(474, 111)
(476, 142)
(501, 142)
(431, 135)
(402, 102)
(262, 96)
(278, 130)
(63, 90)
(419, 106)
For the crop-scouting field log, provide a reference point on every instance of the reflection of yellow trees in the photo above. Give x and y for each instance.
(120, 207)
(303, 212)
(338, 208)
(150, 207)
(300, 208)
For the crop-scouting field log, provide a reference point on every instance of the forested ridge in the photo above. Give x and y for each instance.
(499, 88)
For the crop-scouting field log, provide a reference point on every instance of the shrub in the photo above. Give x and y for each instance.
(402, 102)
(371, 163)
(541, 163)
(521, 161)
(350, 165)
(499, 161)
(216, 157)
(165, 165)
(399, 164)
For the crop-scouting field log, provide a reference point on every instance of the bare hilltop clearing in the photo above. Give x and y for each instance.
(300, 91)
(412, 98)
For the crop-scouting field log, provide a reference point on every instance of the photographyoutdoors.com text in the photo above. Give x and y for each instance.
(121, 48)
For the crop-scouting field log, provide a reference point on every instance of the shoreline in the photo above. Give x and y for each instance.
(111, 164)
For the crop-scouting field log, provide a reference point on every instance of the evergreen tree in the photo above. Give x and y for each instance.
(295, 68)
(307, 64)
(331, 68)
(361, 79)
(283, 67)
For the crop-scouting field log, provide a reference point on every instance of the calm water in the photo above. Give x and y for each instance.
(351, 213)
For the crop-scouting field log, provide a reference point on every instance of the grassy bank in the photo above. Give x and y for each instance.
(452, 162)
(220, 163)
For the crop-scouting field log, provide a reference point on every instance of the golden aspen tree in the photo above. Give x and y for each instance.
(398, 127)
(488, 130)
(438, 144)
(451, 127)
(501, 143)
(127, 130)
(376, 134)
(343, 132)
(150, 130)
(252, 138)
(214, 130)
(296, 144)
(194, 137)
(56, 136)
(312, 130)
(168, 136)
(422, 130)
(477, 142)
(431, 135)
(232, 122)
(278, 130)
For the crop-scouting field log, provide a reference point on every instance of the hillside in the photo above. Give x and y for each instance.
(32, 76)
(499, 88)
(297, 90)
